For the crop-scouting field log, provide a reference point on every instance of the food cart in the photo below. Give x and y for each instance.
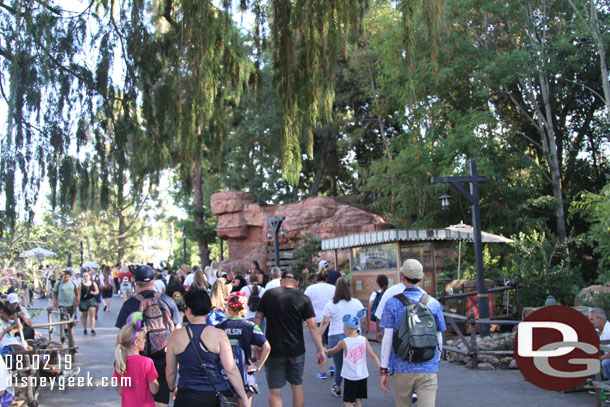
(374, 253)
(382, 252)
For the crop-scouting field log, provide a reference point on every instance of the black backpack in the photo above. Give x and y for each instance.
(254, 300)
(415, 339)
(378, 296)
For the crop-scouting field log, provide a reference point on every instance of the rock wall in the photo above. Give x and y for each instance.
(587, 295)
(243, 224)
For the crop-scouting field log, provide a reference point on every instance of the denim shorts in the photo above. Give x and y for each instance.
(281, 369)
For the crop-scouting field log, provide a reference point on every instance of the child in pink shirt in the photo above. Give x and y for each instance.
(137, 376)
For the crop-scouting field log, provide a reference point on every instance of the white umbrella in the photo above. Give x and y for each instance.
(485, 238)
(37, 252)
(91, 264)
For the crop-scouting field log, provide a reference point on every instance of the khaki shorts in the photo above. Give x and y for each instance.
(424, 384)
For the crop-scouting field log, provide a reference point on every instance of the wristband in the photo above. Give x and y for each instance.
(172, 390)
(383, 371)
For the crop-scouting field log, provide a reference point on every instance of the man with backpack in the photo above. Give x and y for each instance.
(66, 296)
(410, 351)
(161, 317)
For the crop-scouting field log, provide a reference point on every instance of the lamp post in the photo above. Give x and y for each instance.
(81, 252)
(275, 224)
(473, 198)
(184, 242)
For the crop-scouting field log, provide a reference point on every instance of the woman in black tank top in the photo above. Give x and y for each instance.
(88, 291)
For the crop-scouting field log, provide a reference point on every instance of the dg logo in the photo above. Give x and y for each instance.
(556, 348)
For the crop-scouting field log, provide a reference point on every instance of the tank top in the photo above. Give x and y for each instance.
(85, 292)
(354, 361)
(192, 375)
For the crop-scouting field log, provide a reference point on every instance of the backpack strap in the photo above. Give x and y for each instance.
(406, 302)
(403, 298)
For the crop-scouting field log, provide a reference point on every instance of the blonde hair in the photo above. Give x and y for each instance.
(200, 281)
(124, 269)
(220, 293)
(120, 351)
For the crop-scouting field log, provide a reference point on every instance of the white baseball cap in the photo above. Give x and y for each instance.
(322, 263)
(12, 298)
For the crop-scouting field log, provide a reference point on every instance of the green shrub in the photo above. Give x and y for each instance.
(543, 266)
(308, 247)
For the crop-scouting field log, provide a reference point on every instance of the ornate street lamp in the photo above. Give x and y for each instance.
(275, 225)
(473, 198)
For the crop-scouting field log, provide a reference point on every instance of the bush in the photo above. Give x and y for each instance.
(308, 247)
(543, 266)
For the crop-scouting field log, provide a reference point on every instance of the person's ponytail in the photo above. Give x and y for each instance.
(120, 359)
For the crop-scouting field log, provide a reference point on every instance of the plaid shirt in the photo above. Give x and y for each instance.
(391, 318)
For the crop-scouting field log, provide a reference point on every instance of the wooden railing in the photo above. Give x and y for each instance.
(472, 348)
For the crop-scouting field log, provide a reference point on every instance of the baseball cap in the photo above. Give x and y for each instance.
(12, 298)
(412, 269)
(322, 263)
(144, 274)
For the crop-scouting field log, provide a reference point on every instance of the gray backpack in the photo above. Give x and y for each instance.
(415, 339)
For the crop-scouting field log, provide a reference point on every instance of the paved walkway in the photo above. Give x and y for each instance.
(458, 385)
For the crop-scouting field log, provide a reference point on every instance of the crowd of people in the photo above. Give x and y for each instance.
(200, 334)
(208, 340)
(196, 335)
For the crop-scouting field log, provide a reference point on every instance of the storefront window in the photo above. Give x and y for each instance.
(373, 258)
(417, 251)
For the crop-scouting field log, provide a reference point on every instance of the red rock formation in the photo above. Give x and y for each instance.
(586, 295)
(243, 223)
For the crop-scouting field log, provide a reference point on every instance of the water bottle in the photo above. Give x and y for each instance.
(603, 395)
(450, 290)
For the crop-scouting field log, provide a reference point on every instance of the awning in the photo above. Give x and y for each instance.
(454, 233)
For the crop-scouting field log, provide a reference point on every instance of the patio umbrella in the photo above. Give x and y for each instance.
(90, 264)
(37, 252)
(485, 238)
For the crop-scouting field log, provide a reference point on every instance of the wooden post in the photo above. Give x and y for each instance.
(473, 339)
(50, 319)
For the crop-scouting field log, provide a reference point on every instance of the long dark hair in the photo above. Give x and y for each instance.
(342, 290)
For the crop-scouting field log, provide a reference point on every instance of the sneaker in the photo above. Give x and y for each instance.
(336, 391)
(414, 399)
(331, 370)
(321, 375)
(84, 332)
(93, 332)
